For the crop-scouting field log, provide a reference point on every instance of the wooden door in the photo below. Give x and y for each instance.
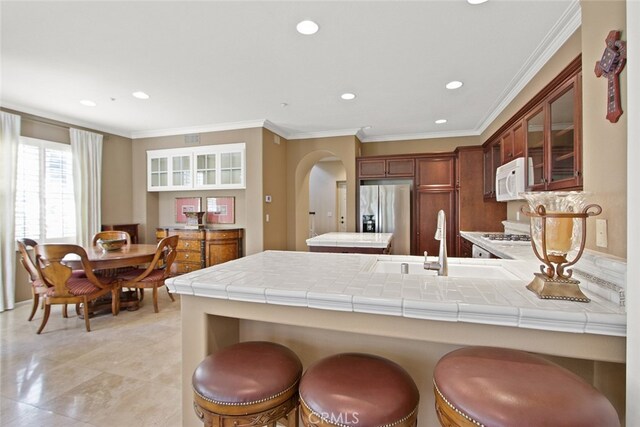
(400, 168)
(435, 172)
(371, 168)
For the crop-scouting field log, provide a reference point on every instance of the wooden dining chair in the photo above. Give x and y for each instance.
(111, 235)
(37, 287)
(65, 288)
(156, 273)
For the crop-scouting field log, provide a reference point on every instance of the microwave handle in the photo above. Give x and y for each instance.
(509, 181)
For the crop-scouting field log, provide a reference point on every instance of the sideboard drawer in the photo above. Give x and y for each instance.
(189, 256)
(188, 245)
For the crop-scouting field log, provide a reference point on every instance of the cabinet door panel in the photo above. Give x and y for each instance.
(507, 146)
(400, 167)
(518, 140)
(375, 168)
(436, 172)
(534, 131)
(428, 205)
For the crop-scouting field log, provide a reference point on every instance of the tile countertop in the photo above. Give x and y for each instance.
(354, 240)
(346, 282)
(602, 274)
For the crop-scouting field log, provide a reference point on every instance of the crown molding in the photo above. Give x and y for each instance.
(564, 28)
(248, 124)
(324, 134)
(64, 120)
(423, 135)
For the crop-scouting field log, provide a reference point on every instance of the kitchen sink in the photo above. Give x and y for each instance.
(455, 270)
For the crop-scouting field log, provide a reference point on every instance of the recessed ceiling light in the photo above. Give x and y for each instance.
(441, 121)
(476, 1)
(88, 103)
(307, 27)
(454, 85)
(140, 95)
(348, 96)
(366, 127)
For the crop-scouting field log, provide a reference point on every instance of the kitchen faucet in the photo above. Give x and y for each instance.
(442, 265)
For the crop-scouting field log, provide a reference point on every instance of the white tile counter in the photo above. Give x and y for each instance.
(346, 282)
(356, 240)
(319, 304)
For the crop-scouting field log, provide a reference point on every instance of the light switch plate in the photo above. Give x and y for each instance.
(601, 233)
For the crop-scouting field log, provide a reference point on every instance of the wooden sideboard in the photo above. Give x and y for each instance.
(132, 229)
(203, 247)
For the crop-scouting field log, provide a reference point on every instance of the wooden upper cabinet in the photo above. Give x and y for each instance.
(492, 158)
(435, 172)
(400, 167)
(547, 131)
(512, 142)
(385, 168)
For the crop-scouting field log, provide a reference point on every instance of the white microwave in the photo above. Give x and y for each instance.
(511, 180)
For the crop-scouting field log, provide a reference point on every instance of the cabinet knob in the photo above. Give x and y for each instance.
(186, 255)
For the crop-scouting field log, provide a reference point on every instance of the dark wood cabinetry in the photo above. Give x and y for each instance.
(492, 158)
(548, 132)
(435, 191)
(555, 149)
(392, 167)
(474, 213)
(203, 248)
(512, 143)
(132, 229)
(466, 248)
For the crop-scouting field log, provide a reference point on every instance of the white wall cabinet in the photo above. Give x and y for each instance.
(211, 167)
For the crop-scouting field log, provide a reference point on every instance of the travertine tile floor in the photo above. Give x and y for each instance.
(125, 372)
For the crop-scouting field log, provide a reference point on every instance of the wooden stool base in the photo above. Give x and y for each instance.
(286, 411)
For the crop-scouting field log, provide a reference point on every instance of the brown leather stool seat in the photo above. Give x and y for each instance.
(361, 390)
(250, 383)
(498, 387)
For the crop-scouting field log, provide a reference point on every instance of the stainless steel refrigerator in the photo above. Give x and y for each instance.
(390, 208)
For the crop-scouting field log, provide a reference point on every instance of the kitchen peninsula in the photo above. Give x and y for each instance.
(320, 304)
(343, 242)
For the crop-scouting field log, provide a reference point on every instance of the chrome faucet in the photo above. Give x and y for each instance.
(442, 265)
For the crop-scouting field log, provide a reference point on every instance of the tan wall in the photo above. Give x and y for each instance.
(605, 143)
(274, 184)
(117, 196)
(301, 156)
(435, 145)
(153, 209)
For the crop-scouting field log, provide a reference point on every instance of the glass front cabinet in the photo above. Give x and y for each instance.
(210, 167)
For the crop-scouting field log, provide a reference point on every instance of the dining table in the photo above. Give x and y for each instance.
(107, 264)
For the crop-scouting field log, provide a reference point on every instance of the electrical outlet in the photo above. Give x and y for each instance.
(329, 214)
(601, 233)
(267, 218)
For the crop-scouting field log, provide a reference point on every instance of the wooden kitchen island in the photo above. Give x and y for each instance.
(320, 304)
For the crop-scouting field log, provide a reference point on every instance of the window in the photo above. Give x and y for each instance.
(45, 206)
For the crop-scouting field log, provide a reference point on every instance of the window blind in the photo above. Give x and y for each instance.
(45, 206)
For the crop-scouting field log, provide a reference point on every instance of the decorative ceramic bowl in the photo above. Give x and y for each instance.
(111, 245)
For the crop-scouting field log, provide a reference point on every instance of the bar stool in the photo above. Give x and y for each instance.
(477, 386)
(354, 389)
(250, 383)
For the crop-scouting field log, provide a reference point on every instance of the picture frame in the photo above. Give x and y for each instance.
(186, 204)
(221, 210)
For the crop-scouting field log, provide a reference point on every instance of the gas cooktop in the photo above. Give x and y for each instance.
(508, 238)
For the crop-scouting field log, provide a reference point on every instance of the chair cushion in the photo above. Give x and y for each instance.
(247, 373)
(155, 276)
(363, 389)
(77, 287)
(501, 387)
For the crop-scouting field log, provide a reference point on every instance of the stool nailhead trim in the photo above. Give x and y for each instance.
(454, 408)
(401, 420)
(266, 399)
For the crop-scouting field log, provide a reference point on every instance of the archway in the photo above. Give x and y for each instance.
(302, 175)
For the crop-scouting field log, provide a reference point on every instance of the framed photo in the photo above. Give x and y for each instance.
(221, 210)
(186, 204)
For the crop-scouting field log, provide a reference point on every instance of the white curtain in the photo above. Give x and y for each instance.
(86, 148)
(9, 140)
